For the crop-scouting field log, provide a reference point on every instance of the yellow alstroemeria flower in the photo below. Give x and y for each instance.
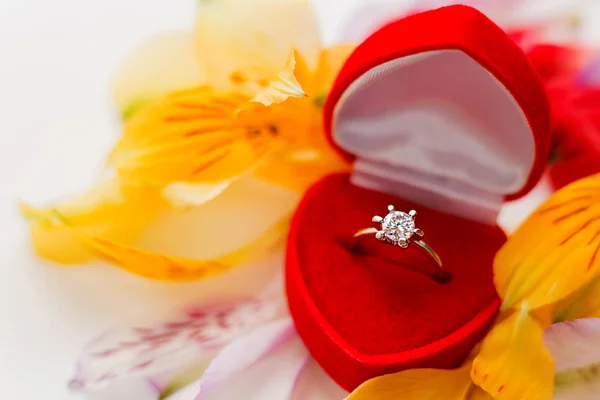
(547, 272)
(235, 104)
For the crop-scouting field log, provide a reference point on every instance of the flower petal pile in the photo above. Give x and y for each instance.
(244, 103)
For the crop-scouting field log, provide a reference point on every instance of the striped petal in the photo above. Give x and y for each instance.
(194, 144)
(162, 267)
(556, 250)
(153, 355)
(109, 210)
(161, 64)
(190, 136)
(513, 363)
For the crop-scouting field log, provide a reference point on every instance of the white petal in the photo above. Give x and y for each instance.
(252, 38)
(128, 389)
(161, 64)
(163, 351)
(575, 347)
(315, 384)
(574, 344)
(263, 365)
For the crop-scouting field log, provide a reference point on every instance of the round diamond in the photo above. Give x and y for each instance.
(397, 226)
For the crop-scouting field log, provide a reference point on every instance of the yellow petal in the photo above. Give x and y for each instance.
(417, 384)
(108, 210)
(159, 65)
(299, 168)
(249, 40)
(583, 304)
(194, 136)
(556, 250)
(513, 363)
(157, 266)
(330, 62)
(477, 393)
(285, 86)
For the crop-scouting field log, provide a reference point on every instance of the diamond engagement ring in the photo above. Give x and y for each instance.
(398, 228)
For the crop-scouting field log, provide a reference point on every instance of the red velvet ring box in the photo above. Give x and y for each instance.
(442, 113)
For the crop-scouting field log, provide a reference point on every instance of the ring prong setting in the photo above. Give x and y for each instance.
(397, 227)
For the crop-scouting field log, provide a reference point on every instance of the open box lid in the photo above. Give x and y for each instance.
(452, 117)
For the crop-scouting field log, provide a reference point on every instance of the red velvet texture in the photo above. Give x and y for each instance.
(468, 30)
(373, 308)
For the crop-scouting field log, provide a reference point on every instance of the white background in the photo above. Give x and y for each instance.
(56, 124)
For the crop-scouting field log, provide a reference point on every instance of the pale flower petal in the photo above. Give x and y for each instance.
(243, 353)
(285, 86)
(575, 347)
(182, 194)
(163, 351)
(161, 64)
(315, 384)
(137, 388)
(574, 344)
(249, 40)
(265, 364)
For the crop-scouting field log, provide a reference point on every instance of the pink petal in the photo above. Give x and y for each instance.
(155, 354)
(574, 344)
(264, 364)
(315, 384)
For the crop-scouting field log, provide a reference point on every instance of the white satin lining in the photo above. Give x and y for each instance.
(436, 123)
